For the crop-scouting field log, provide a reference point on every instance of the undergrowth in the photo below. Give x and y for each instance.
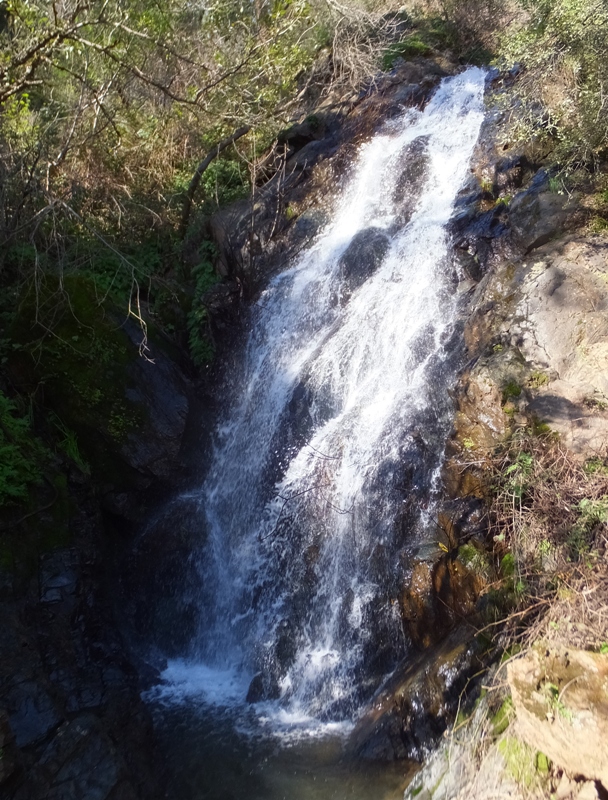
(549, 526)
(199, 334)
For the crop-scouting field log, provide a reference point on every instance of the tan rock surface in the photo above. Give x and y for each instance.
(561, 328)
(561, 700)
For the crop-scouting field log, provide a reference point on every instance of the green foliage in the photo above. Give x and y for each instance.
(115, 271)
(518, 474)
(553, 699)
(538, 379)
(563, 46)
(475, 560)
(598, 224)
(508, 565)
(520, 760)
(223, 182)
(68, 443)
(596, 465)
(503, 717)
(511, 390)
(591, 512)
(83, 365)
(542, 763)
(21, 454)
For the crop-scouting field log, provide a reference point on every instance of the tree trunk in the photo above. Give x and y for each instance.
(196, 178)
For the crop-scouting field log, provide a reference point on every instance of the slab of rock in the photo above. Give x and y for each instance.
(561, 329)
(561, 700)
(415, 707)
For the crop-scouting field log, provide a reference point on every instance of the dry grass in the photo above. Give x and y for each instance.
(549, 523)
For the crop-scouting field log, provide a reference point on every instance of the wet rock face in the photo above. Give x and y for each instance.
(361, 259)
(415, 708)
(160, 592)
(437, 597)
(275, 663)
(411, 180)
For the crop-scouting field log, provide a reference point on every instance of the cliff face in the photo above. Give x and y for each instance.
(72, 724)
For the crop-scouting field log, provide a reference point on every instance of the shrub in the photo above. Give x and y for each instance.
(562, 45)
(549, 521)
(199, 340)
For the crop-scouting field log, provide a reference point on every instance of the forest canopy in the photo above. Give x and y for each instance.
(109, 109)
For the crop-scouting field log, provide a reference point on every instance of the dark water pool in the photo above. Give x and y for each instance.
(211, 759)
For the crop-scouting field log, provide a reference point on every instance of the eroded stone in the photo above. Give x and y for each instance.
(561, 700)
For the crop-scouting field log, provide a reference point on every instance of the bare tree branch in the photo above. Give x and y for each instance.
(196, 178)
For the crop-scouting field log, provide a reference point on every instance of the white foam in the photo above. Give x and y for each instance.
(186, 681)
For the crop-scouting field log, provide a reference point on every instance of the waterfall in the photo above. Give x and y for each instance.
(326, 460)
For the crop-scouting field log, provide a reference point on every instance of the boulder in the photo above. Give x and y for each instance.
(561, 700)
(559, 325)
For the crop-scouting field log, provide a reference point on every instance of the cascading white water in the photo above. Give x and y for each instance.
(333, 434)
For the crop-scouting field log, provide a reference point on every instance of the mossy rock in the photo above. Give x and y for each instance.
(410, 47)
(476, 561)
(520, 760)
(503, 717)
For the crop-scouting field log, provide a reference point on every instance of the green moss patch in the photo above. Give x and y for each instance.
(408, 48)
(21, 454)
(503, 717)
(520, 760)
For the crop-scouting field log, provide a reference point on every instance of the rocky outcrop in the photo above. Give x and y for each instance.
(535, 340)
(302, 175)
(547, 740)
(421, 700)
(561, 701)
(536, 343)
(538, 336)
(72, 724)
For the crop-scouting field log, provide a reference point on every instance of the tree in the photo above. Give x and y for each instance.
(562, 45)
